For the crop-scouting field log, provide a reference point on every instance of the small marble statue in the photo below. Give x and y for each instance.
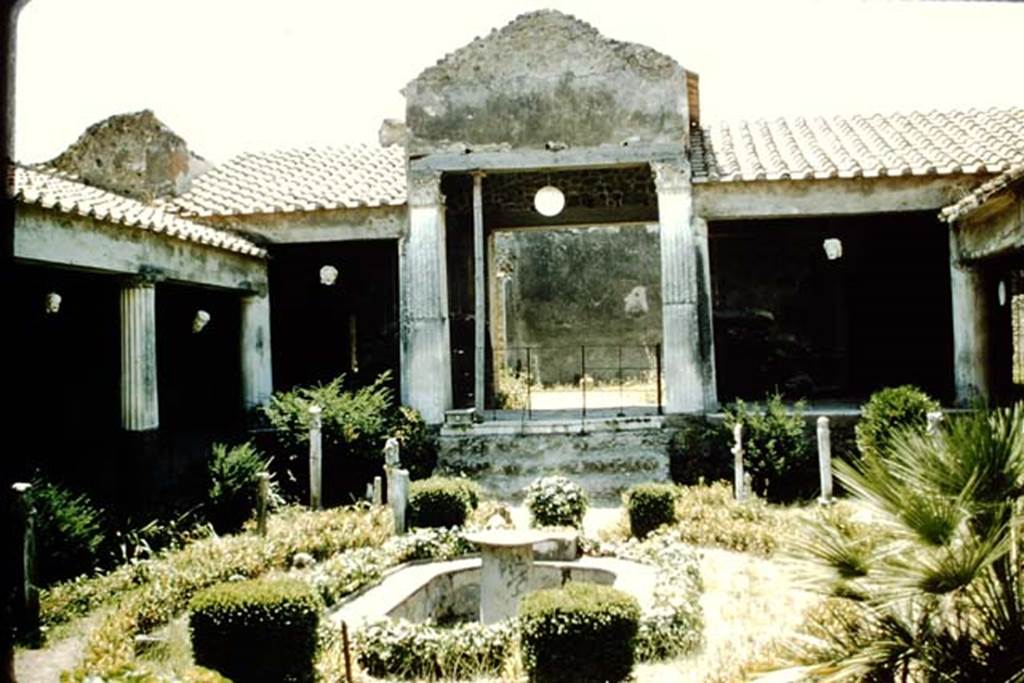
(391, 452)
(328, 275)
(200, 321)
(52, 302)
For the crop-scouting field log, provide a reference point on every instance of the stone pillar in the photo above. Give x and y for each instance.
(257, 373)
(140, 409)
(426, 352)
(705, 313)
(971, 373)
(684, 373)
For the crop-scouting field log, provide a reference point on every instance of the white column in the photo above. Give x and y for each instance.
(705, 313)
(140, 409)
(971, 375)
(684, 376)
(426, 355)
(257, 371)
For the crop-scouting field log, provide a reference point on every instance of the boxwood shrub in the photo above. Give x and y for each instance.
(582, 632)
(888, 412)
(441, 502)
(649, 506)
(699, 453)
(556, 501)
(257, 630)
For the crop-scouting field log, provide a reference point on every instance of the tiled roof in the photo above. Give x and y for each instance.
(981, 194)
(915, 144)
(299, 180)
(50, 189)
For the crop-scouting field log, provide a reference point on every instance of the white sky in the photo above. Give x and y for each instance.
(246, 75)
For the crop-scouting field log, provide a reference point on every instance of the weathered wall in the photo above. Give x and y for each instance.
(598, 286)
(996, 229)
(547, 78)
(134, 155)
(339, 225)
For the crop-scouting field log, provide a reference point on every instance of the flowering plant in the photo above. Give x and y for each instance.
(556, 501)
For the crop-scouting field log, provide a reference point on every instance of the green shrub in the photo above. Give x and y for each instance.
(355, 425)
(403, 650)
(699, 453)
(710, 516)
(556, 501)
(777, 449)
(70, 532)
(259, 630)
(583, 632)
(441, 502)
(889, 412)
(649, 506)
(234, 485)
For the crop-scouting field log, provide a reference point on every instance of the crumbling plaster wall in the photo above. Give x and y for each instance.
(547, 78)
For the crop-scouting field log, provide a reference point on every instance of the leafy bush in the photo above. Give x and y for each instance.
(355, 426)
(936, 592)
(151, 592)
(710, 516)
(441, 502)
(259, 630)
(70, 532)
(699, 453)
(403, 650)
(777, 451)
(888, 412)
(583, 632)
(649, 506)
(234, 485)
(556, 501)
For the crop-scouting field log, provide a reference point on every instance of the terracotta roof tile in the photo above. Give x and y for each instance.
(51, 189)
(299, 180)
(981, 194)
(934, 143)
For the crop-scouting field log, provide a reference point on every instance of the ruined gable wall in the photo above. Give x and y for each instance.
(544, 78)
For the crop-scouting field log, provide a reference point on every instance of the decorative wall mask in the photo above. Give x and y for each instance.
(328, 275)
(549, 201)
(833, 248)
(200, 321)
(636, 302)
(53, 300)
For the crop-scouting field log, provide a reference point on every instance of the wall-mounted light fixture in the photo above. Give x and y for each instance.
(200, 321)
(549, 201)
(328, 275)
(53, 300)
(833, 248)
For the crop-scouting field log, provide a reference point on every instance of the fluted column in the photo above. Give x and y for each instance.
(971, 372)
(426, 355)
(140, 408)
(684, 375)
(257, 371)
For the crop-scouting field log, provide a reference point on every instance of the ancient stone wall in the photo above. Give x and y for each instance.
(547, 80)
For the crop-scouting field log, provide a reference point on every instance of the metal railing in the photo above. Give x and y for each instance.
(583, 377)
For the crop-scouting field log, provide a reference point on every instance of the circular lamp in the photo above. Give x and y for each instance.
(549, 201)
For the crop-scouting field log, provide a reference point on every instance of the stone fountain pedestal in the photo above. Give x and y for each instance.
(506, 568)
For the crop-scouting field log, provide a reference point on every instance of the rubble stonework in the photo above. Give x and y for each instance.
(134, 155)
(547, 77)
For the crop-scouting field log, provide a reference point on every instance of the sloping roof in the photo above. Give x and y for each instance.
(981, 194)
(299, 180)
(51, 189)
(915, 144)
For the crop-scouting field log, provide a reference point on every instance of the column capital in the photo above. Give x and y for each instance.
(146, 277)
(425, 188)
(671, 176)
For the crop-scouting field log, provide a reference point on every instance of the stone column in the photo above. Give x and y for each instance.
(257, 372)
(971, 373)
(140, 408)
(684, 374)
(426, 353)
(705, 313)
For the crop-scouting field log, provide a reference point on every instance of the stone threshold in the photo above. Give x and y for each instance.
(575, 425)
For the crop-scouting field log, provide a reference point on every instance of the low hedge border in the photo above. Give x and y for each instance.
(650, 506)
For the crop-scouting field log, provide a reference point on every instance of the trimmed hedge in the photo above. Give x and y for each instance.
(556, 501)
(441, 502)
(889, 412)
(698, 453)
(258, 630)
(649, 506)
(777, 449)
(580, 633)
